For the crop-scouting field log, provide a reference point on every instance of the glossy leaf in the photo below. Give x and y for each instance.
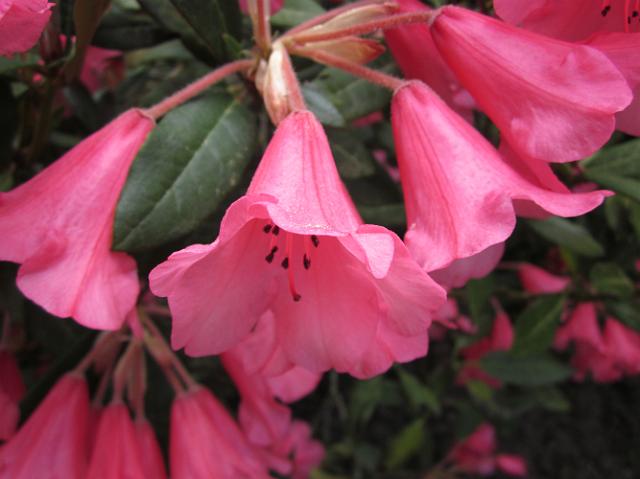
(568, 234)
(609, 278)
(188, 165)
(536, 326)
(295, 12)
(535, 370)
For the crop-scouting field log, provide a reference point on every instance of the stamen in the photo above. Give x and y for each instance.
(285, 262)
(627, 15)
(276, 230)
(605, 8)
(306, 262)
(267, 228)
(315, 240)
(269, 257)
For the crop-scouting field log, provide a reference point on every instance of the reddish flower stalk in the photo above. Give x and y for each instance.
(373, 76)
(360, 29)
(195, 88)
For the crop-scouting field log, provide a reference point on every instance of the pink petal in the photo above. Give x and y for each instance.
(59, 225)
(54, 438)
(458, 273)
(622, 345)
(458, 191)
(551, 100)
(536, 280)
(150, 452)
(416, 54)
(21, 24)
(511, 464)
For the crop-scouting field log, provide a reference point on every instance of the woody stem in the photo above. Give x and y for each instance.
(359, 29)
(262, 26)
(195, 88)
(373, 76)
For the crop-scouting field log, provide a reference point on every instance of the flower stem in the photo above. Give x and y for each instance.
(360, 29)
(197, 87)
(373, 76)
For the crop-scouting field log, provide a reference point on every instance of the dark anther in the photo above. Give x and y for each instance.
(629, 20)
(635, 13)
(315, 240)
(269, 257)
(306, 262)
(297, 297)
(275, 230)
(266, 228)
(285, 262)
(605, 10)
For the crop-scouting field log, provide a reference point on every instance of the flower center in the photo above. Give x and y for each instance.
(629, 13)
(283, 241)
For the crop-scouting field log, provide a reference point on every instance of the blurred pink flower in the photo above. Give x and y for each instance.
(551, 100)
(581, 327)
(150, 452)
(116, 452)
(102, 69)
(536, 280)
(458, 191)
(53, 442)
(206, 442)
(340, 291)
(622, 345)
(59, 226)
(11, 391)
(21, 24)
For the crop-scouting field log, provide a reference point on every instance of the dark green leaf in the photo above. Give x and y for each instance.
(623, 159)
(409, 441)
(628, 312)
(128, 31)
(320, 105)
(212, 20)
(8, 65)
(388, 215)
(609, 278)
(536, 326)
(188, 165)
(535, 370)
(352, 156)
(295, 12)
(570, 235)
(419, 394)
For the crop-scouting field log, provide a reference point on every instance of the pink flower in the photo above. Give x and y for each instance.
(622, 346)
(623, 49)
(570, 20)
(102, 68)
(460, 271)
(205, 441)
(306, 453)
(53, 441)
(476, 455)
(116, 452)
(551, 100)
(581, 327)
(536, 280)
(275, 5)
(416, 54)
(295, 245)
(458, 191)
(150, 452)
(21, 24)
(11, 392)
(59, 224)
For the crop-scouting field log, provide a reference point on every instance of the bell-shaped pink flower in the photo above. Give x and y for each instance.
(570, 20)
(622, 345)
(418, 58)
(116, 452)
(536, 280)
(59, 225)
(21, 24)
(623, 49)
(552, 101)
(53, 442)
(512, 464)
(206, 442)
(11, 391)
(458, 191)
(581, 327)
(150, 452)
(295, 245)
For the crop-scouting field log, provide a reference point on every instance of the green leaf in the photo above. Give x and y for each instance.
(617, 167)
(609, 278)
(552, 399)
(126, 31)
(391, 215)
(352, 156)
(419, 394)
(8, 65)
(295, 12)
(628, 312)
(478, 293)
(408, 442)
(535, 370)
(320, 105)
(189, 163)
(536, 326)
(570, 235)
(212, 20)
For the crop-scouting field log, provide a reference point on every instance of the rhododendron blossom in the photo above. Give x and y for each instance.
(458, 191)
(339, 290)
(551, 100)
(59, 224)
(21, 23)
